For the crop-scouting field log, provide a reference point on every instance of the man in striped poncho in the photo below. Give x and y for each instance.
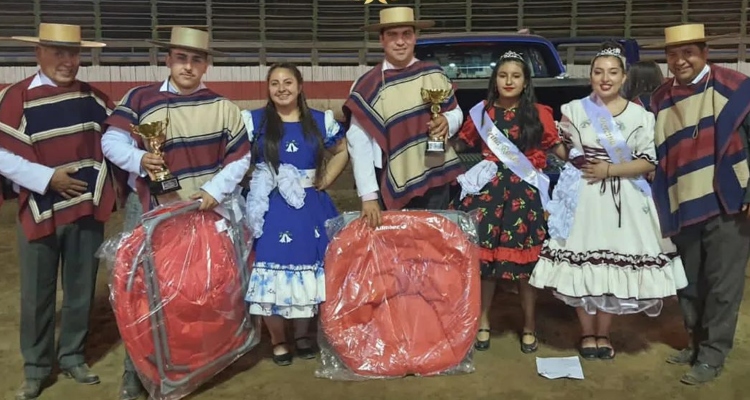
(389, 124)
(206, 132)
(700, 190)
(51, 158)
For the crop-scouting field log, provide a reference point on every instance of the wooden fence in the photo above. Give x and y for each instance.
(327, 32)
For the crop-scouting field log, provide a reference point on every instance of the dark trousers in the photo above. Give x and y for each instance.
(74, 246)
(437, 198)
(133, 213)
(715, 254)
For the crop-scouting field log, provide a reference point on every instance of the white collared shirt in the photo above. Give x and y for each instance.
(20, 171)
(706, 69)
(366, 154)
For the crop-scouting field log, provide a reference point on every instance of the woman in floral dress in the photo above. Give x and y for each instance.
(512, 222)
(287, 207)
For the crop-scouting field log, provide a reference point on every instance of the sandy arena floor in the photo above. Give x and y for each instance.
(639, 371)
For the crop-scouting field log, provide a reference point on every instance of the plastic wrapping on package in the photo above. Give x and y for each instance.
(401, 299)
(177, 287)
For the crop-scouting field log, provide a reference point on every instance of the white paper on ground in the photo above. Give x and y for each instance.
(559, 367)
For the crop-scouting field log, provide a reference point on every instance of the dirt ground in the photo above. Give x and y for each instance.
(503, 372)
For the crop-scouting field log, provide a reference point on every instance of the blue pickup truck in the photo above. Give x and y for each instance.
(468, 59)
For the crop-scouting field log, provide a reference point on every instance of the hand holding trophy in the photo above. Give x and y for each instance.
(436, 97)
(154, 135)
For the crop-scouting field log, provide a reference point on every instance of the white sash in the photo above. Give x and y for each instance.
(508, 153)
(611, 138)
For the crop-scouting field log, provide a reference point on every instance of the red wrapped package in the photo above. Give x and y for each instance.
(178, 284)
(402, 299)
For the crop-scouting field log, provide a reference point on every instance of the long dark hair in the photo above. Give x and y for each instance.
(274, 127)
(643, 78)
(530, 127)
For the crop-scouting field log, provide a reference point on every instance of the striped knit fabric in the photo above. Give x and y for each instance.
(703, 164)
(205, 133)
(388, 105)
(58, 127)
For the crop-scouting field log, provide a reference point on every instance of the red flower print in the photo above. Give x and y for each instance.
(485, 197)
(515, 179)
(499, 211)
(505, 237)
(531, 216)
(468, 200)
(540, 233)
(506, 195)
(513, 132)
(517, 204)
(530, 193)
(522, 229)
(495, 231)
(509, 115)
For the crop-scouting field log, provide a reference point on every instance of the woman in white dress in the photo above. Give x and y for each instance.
(605, 255)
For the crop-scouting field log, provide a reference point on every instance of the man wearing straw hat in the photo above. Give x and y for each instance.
(193, 112)
(50, 153)
(390, 124)
(700, 190)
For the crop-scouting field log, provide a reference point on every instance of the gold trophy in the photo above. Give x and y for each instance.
(436, 97)
(154, 135)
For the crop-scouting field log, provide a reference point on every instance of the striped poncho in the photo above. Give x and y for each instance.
(205, 133)
(703, 162)
(388, 106)
(58, 127)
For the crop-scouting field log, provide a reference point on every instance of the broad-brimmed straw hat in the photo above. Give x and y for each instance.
(684, 34)
(189, 39)
(61, 35)
(398, 16)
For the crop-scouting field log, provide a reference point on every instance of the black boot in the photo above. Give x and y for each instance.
(131, 388)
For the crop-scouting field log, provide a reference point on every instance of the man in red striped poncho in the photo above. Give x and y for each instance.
(389, 123)
(51, 160)
(700, 191)
(205, 134)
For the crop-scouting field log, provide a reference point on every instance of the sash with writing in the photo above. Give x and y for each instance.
(611, 138)
(508, 153)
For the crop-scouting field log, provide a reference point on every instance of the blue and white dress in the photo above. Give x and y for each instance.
(287, 215)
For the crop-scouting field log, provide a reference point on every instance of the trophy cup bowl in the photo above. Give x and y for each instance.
(435, 97)
(154, 135)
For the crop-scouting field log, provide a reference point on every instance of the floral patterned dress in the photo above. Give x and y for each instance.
(512, 225)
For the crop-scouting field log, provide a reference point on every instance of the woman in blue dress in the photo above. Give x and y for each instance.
(287, 208)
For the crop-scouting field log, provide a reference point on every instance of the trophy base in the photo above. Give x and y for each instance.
(165, 186)
(435, 146)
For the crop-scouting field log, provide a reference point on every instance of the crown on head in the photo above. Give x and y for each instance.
(511, 54)
(611, 51)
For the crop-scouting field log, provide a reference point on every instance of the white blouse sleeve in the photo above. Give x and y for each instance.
(643, 143)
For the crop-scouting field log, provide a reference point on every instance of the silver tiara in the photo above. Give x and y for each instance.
(612, 51)
(511, 54)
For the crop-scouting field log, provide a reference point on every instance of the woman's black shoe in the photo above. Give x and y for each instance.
(482, 345)
(588, 353)
(282, 359)
(531, 347)
(307, 353)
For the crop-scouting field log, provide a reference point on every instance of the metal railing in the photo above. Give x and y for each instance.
(327, 32)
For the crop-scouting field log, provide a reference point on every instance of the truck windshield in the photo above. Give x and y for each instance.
(476, 60)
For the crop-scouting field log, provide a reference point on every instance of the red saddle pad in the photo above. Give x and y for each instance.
(190, 313)
(404, 298)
